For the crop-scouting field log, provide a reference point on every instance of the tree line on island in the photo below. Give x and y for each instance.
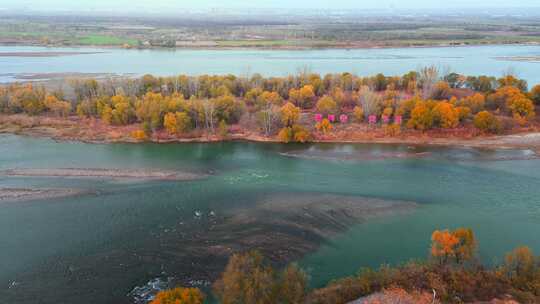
(452, 274)
(291, 109)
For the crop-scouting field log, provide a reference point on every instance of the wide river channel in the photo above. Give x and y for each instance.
(116, 234)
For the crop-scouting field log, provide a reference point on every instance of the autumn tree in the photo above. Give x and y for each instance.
(252, 96)
(358, 113)
(302, 97)
(87, 108)
(59, 108)
(138, 135)
(179, 295)
(522, 268)
(534, 94)
(482, 83)
(169, 122)
(183, 122)
(106, 114)
(268, 118)
(246, 279)
(290, 114)
(228, 109)
(501, 98)
(294, 133)
(223, 129)
(326, 105)
(487, 122)
(369, 101)
(324, 126)
(266, 98)
(292, 285)
(510, 80)
(466, 247)
(122, 112)
(443, 244)
(421, 116)
(29, 99)
(458, 245)
(445, 115)
(521, 107)
(475, 102)
(151, 109)
(463, 113)
(441, 90)
(427, 78)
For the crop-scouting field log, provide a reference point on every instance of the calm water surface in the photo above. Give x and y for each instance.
(473, 60)
(497, 197)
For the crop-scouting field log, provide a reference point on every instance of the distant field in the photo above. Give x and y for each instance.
(301, 32)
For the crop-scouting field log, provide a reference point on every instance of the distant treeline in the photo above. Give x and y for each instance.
(422, 100)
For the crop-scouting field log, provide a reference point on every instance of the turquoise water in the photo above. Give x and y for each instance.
(469, 60)
(83, 248)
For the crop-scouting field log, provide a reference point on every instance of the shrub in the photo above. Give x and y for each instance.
(535, 94)
(487, 122)
(358, 113)
(445, 115)
(326, 105)
(296, 133)
(138, 135)
(248, 279)
(421, 116)
(324, 126)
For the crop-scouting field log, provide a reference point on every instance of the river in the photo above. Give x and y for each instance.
(94, 248)
(468, 60)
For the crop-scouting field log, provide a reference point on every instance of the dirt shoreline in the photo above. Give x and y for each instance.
(95, 132)
(512, 141)
(104, 173)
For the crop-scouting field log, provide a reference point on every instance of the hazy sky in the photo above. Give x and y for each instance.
(158, 5)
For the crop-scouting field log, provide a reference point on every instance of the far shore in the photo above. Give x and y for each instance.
(336, 46)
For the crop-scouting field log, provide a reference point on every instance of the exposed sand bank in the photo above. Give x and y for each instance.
(24, 194)
(104, 173)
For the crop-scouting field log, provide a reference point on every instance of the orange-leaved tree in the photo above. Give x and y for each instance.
(179, 295)
(458, 245)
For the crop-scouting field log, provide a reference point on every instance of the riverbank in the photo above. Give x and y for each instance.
(267, 45)
(94, 131)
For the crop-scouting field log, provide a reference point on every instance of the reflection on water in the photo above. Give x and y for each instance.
(97, 248)
(346, 152)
